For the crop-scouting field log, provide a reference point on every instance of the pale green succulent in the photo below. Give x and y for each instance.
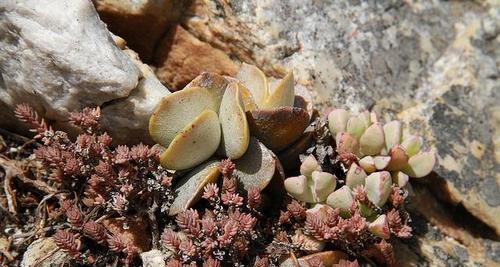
(210, 114)
(367, 146)
(313, 185)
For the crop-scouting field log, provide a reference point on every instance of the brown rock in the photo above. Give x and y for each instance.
(140, 23)
(181, 57)
(135, 230)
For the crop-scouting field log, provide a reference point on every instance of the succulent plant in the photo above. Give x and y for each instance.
(341, 198)
(363, 141)
(313, 185)
(214, 113)
(380, 227)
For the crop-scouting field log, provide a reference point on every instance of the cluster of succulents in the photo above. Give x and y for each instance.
(215, 183)
(217, 115)
(365, 205)
(363, 141)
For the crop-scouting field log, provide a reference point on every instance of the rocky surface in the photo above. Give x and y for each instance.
(181, 57)
(131, 19)
(432, 64)
(58, 56)
(44, 252)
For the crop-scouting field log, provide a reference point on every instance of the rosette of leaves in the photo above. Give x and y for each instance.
(218, 114)
(366, 146)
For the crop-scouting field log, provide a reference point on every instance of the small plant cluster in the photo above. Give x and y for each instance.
(224, 233)
(346, 200)
(116, 182)
(359, 211)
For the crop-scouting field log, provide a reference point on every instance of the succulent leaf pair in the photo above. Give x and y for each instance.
(377, 147)
(313, 185)
(209, 115)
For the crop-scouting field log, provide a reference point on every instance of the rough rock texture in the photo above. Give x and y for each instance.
(41, 253)
(154, 258)
(130, 116)
(445, 235)
(433, 64)
(181, 57)
(59, 57)
(131, 19)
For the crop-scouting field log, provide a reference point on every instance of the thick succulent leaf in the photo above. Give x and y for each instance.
(372, 140)
(177, 110)
(337, 121)
(194, 144)
(399, 159)
(355, 176)
(309, 165)
(327, 258)
(283, 95)
(368, 164)
(257, 166)
(346, 143)
(412, 145)
(341, 198)
(365, 115)
(246, 95)
(297, 188)
(323, 183)
(381, 162)
(378, 187)
(380, 227)
(235, 131)
(421, 164)
(400, 178)
(190, 188)
(214, 83)
(393, 133)
(255, 80)
(278, 128)
(356, 126)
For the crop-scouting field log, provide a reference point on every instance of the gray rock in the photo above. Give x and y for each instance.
(39, 254)
(432, 64)
(58, 56)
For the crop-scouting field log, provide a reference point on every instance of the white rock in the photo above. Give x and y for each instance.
(154, 258)
(58, 56)
(127, 119)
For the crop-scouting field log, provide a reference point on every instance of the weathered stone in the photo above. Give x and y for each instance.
(181, 57)
(154, 258)
(127, 119)
(460, 116)
(142, 23)
(434, 63)
(37, 254)
(59, 57)
(444, 237)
